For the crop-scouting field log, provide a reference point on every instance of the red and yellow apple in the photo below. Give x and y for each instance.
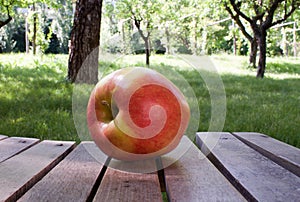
(136, 113)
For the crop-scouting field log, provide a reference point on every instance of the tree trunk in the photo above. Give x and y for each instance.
(147, 47)
(85, 40)
(284, 43)
(234, 45)
(195, 52)
(34, 30)
(26, 35)
(262, 43)
(204, 41)
(234, 39)
(168, 48)
(253, 52)
(146, 39)
(124, 38)
(294, 40)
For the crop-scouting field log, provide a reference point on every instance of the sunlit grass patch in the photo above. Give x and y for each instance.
(36, 100)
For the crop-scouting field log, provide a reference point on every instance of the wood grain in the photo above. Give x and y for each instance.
(71, 180)
(281, 153)
(194, 178)
(14, 145)
(21, 172)
(130, 187)
(256, 176)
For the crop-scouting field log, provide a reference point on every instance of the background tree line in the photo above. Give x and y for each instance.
(161, 26)
(35, 24)
(181, 25)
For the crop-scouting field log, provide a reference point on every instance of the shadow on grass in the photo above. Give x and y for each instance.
(268, 106)
(37, 102)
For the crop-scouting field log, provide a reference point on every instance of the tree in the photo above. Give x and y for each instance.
(12, 36)
(36, 25)
(196, 25)
(144, 14)
(6, 10)
(170, 20)
(85, 37)
(58, 26)
(261, 16)
(13, 8)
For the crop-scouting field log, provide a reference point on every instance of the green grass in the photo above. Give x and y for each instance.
(35, 100)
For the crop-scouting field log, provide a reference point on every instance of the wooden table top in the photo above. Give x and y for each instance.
(218, 167)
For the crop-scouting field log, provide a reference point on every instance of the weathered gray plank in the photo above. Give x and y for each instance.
(2, 137)
(20, 172)
(71, 180)
(281, 153)
(256, 176)
(194, 178)
(14, 145)
(125, 186)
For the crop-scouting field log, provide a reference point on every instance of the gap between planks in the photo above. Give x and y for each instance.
(281, 153)
(103, 181)
(23, 171)
(257, 177)
(10, 147)
(98, 181)
(2, 137)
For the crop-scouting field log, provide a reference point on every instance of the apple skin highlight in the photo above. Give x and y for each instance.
(136, 114)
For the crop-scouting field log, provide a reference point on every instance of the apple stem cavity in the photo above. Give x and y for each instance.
(114, 110)
(104, 102)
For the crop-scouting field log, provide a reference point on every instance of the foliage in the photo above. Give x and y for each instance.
(7, 11)
(260, 16)
(12, 38)
(42, 39)
(180, 25)
(54, 25)
(61, 25)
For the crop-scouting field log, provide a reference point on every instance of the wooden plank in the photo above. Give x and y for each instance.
(21, 172)
(125, 186)
(71, 180)
(194, 178)
(145, 166)
(281, 153)
(14, 145)
(2, 137)
(256, 176)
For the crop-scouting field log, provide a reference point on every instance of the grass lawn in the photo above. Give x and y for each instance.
(35, 100)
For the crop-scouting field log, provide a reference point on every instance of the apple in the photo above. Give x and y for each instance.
(136, 113)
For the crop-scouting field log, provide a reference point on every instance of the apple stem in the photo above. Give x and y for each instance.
(104, 102)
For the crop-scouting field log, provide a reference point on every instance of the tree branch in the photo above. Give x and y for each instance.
(138, 26)
(236, 8)
(256, 8)
(287, 14)
(269, 19)
(238, 22)
(259, 15)
(137, 23)
(3, 23)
